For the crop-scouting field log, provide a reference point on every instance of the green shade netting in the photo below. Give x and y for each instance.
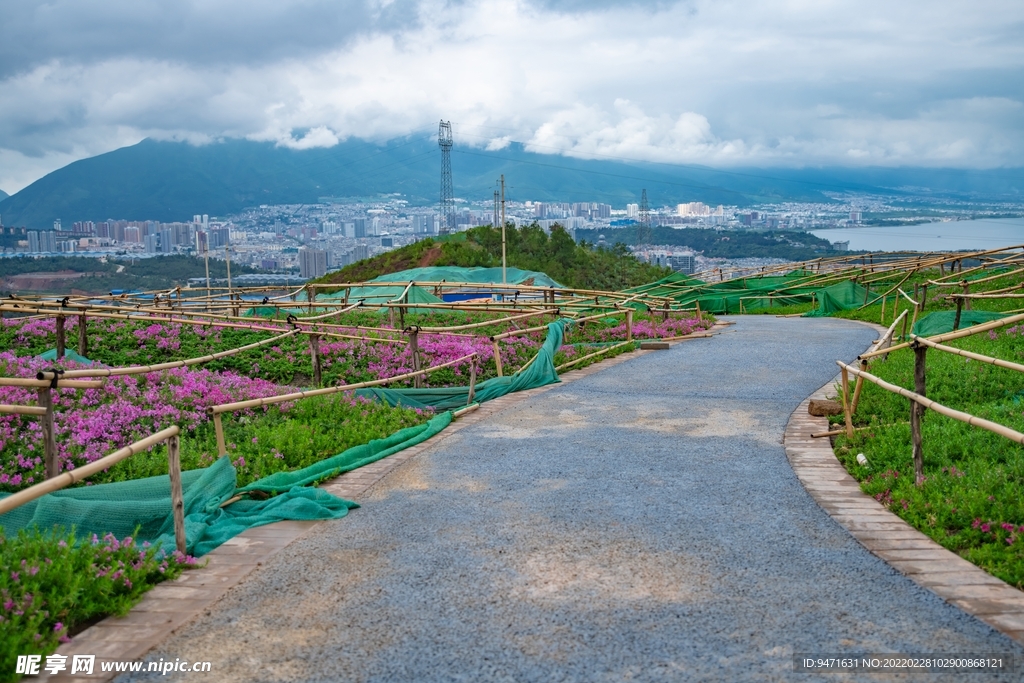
(738, 295)
(484, 276)
(68, 354)
(846, 296)
(121, 507)
(540, 373)
(940, 322)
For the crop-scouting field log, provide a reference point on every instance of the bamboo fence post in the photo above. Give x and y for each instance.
(967, 290)
(903, 334)
(867, 292)
(883, 310)
(924, 297)
(83, 336)
(218, 427)
(629, 325)
(497, 358)
(917, 412)
(177, 497)
(49, 442)
(846, 403)
(310, 296)
(61, 338)
(391, 316)
(472, 382)
(414, 346)
(858, 387)
(314, 350)
(699, 315)
(956, 319)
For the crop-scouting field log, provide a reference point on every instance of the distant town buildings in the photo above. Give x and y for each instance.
(312, 262)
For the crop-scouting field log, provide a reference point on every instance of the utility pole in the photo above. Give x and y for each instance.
(504, 279)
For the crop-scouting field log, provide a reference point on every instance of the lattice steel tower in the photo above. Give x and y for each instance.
(444, 140)
(643, 227)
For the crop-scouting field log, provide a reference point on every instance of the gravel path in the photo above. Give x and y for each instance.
(641, 524)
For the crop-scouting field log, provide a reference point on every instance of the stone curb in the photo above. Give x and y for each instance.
(173, 604)
(906, 549)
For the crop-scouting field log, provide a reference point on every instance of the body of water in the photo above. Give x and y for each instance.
(987, 233)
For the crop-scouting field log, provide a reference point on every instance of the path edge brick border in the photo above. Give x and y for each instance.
(885, 535)
(171, 605)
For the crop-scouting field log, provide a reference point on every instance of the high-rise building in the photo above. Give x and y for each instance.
(167, 241)
(693, 209)
(683, 263)
(632, 211)
(151, 243)
(312, 262)
(360, 227)
(132, 234)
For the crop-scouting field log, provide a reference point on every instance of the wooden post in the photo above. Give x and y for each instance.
(699, 316)
(83, 336)
(314, 351)
(846, 404)
(903, 335)
(497, 358)
(917, 411)
(629, 325)
(472, 382)
(310, 296)
(391, 316)
(924, 297)
(956, 319)
(967, 290)
(218, 427)
(61, 339)
(177, 497)
(857, 387)
(883, 310)
(942, 270)
(49, 442)
(414, 345)
(867, 292)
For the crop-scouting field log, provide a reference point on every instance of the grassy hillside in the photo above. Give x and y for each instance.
(528, 247)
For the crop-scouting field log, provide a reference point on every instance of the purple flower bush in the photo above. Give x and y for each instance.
(91, 423)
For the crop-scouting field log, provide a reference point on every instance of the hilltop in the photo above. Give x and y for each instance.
(529, 248)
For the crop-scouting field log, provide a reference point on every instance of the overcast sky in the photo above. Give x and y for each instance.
(723, 83)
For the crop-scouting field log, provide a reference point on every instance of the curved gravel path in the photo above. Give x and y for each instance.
(641, 523)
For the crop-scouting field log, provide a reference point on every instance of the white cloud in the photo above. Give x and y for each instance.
(740, 82)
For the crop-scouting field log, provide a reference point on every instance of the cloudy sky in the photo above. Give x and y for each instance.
(723, 83)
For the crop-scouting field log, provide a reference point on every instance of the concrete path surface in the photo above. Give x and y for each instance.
(639, 524)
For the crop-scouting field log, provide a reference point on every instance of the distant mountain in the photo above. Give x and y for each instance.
(169, 181)
(3, 195)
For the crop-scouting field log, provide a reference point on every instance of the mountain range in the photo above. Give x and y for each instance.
(171, 181)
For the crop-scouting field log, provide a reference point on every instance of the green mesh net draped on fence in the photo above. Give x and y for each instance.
(144, 504)
(742, 295)
(541, 372)
(940, 322)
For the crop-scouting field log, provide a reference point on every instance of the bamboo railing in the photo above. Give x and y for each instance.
(169, 435)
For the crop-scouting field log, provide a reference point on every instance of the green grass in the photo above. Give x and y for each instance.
(973, 493)
(52, 583)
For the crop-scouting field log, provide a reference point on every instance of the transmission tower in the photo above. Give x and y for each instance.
(444, 140)
(643, 226)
